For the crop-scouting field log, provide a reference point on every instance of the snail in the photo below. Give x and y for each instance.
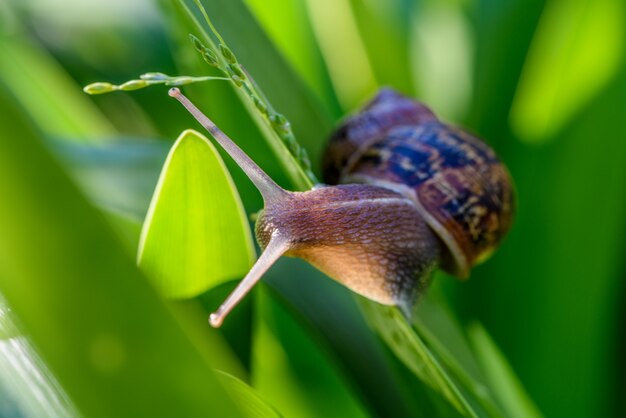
(406, 194)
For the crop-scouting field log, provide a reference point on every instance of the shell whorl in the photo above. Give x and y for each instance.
(387, 110)
(461, 188)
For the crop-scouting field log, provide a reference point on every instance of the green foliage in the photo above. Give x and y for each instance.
(283, 352)
(575, 53)
(543, 83)
(51, 96)
(23, 373)
(198, 239)
(247, 398)
(500, 376)
(275, 127)
(83, 317)
(412, 351)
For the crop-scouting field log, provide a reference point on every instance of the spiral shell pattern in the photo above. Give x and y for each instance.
(462, 189)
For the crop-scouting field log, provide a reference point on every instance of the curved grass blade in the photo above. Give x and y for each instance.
(409, 347)
(195, 235)
(501, 377)
(252, 404)
(440, 331)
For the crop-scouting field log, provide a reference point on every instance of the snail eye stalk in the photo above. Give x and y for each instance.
(271, 192)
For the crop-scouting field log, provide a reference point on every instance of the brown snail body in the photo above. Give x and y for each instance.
(369, 238)
(410, 194)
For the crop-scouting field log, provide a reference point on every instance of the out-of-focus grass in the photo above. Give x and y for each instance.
(92, 316)
(550, 296)
(543, 81)
(51, 96)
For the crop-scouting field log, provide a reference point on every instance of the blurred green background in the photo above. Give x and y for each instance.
(544, 82)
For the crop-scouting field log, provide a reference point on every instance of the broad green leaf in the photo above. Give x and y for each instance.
(251, 402)
(195, 235)
(112, 343)
(502, 379)
(577, 50)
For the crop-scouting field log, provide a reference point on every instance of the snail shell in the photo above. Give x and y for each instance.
(458, 184)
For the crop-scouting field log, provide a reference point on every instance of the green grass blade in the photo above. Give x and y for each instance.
(439, 329)
(49, 95)
(385, 28)
(290, 369)
(251, 402)
(272, 76)
(331, 312)
(441, 57)
(345, 55)
(575, 53)
(501, 377)
(119, 176)
(195, 235)
(289, 27)
(409, 347)
(283, 87)
(113, 345)
(503, 32)
(27, 388)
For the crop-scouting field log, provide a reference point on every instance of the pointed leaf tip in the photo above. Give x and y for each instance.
(195, 235)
